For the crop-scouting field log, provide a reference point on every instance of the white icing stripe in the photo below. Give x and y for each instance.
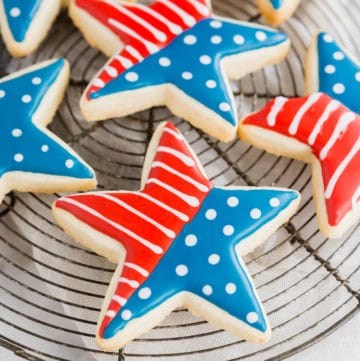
(133, 52)
(331, 107)
(151, 47)
(126, 63)
(137, 268)
(175, 212)
(186, 18)
(174, 28)
(159, 35)
(313, 98)
(168, 232)
(131, 283)
(191, 201)
(181, 156)
(111, 71)
(201, 8)
(98, 83)
(340, 170)
(341, 126)
(201, 187)
(153, 247)
(110, 314)
(356, 198)
(174, 133)
(120, 300)
(275, 110)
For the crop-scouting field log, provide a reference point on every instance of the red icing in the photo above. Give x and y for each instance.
(136, 252)
(341, 200)
(103, 11)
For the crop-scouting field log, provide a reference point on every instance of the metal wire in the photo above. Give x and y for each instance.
(51, 289)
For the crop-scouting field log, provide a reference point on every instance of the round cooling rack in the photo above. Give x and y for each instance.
(52, 289)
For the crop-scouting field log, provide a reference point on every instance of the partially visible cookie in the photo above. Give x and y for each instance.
(32, 159)
(277, 11)
(177, 242)
(174, 53)
(331, 69)
(323, 132)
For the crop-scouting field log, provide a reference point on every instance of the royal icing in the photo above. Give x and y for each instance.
(338, 72)
(276, 4)
(25, 147)
(180, 234)
(175, 42)
(332, 133)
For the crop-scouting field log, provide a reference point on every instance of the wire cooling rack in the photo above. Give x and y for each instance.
(51, 289)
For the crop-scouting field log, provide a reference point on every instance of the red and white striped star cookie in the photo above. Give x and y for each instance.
(321, 131)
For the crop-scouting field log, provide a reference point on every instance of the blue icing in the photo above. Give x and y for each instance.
(20, 14)
(202, 259)
(192, 63)
(276, 4)
(24, 147)
(339, 74)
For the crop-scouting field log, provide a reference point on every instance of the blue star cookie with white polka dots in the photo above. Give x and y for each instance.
(332, 70)
(31, 157)
(277, 11)
(25, 23)
(174, 53)
(177, 242)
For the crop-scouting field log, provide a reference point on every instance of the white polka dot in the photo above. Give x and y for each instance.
(2, 93)
(69, 163)
(260, 35)
(233, 202)
(274, 202)
(230, 288)
(190, 40)
(98, 83)
(207, 290)
(330, 69)
(18, 157)
(338, 55)
(214, 259)
(36, 80)
(228, 230)
(144, 293)
(191, 240)
(255, 213)
(16, 133)
(216, 39)
(26, 98)
(357, 76)
(181, 270)
(44, 148)
(225, 107)
(132, 76)
(339, 88)
(126, 315)
(187, 75)
(239, 39)
(210, 214)
(15, 12)
(252, 317)
(205, 59)
(216, 24)
(211, 84)
(165, 62)
(110, 314)
(328, 38)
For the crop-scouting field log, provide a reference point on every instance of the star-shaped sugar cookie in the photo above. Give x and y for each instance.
(25, 23)
(31, 157)
(323, 132)
(178, 242)
(277, 11)
(174, 53)
(333, 70)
